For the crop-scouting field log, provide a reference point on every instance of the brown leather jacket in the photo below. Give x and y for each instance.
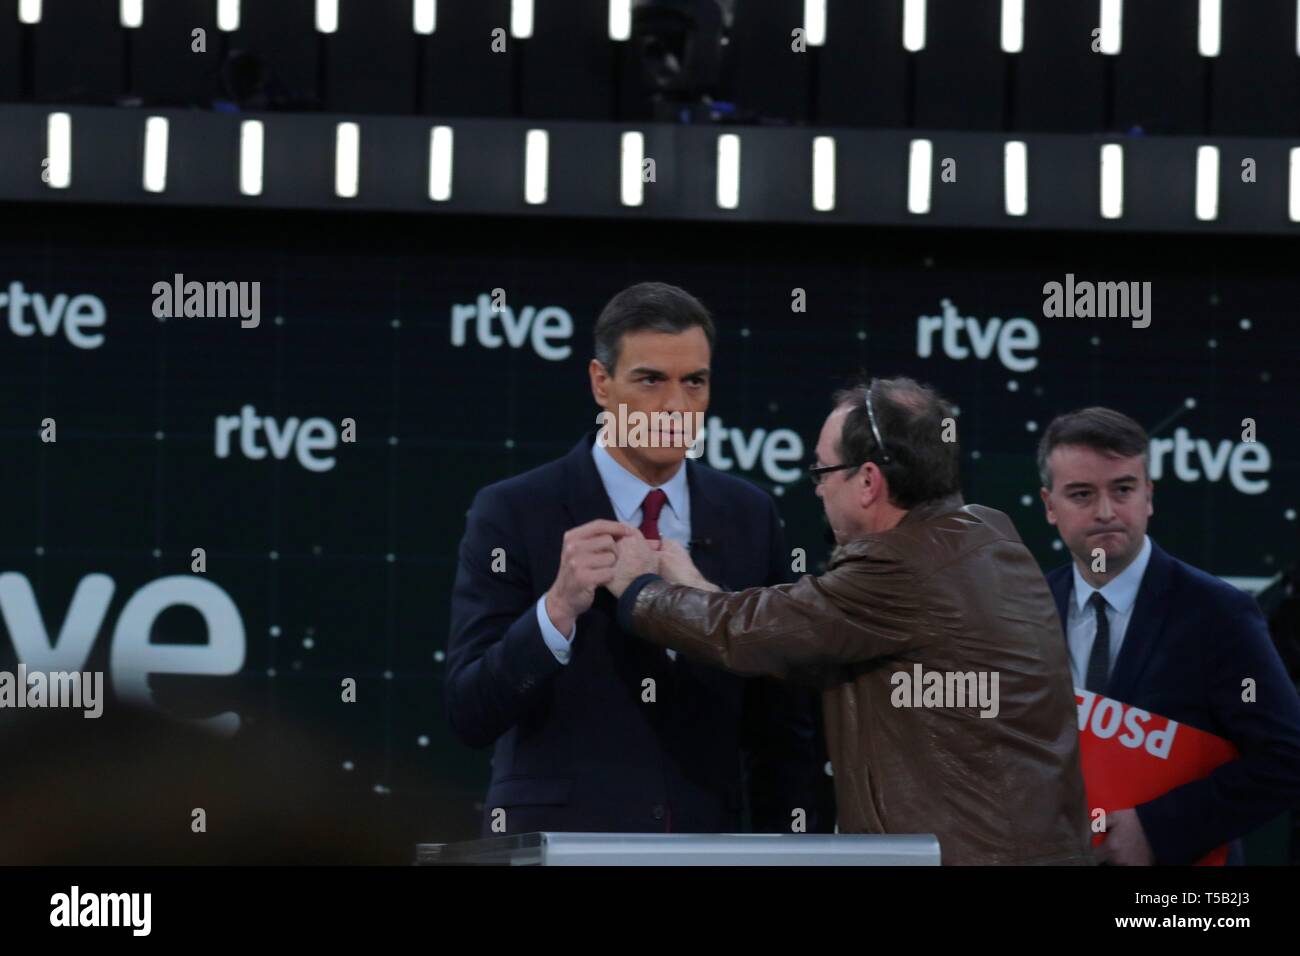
(951, 590)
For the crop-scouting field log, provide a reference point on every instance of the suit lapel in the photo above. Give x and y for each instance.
(709, 523)
(585, 496)
(1145, 627)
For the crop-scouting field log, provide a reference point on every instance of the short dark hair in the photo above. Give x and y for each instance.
(922, 467)
(1101, 429)
(647, 306)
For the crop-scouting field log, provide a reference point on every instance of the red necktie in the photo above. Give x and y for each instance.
(650, 508)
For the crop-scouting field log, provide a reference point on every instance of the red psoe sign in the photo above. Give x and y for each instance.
(1130, 755)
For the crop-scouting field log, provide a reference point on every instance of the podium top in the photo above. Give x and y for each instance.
(687, 849)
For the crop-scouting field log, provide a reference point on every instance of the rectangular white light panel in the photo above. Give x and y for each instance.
(536, 158)
(919, 160)
(728, 171)
(441, 142)
(424, 16)
(824, 173)
(1112, 24)
(814, 21)
(1013, 26)
(914, 25)
(155, 154)
(251, 140)
(1208, 29)
(1295, 184)
(620, 19)
(521, 19)
(131, 13)
(58, 142)
(347, 160)
(1112, 181)
(228, 15)
(631, 157)
(1015, 167)
(1207, 183)
(327, 16)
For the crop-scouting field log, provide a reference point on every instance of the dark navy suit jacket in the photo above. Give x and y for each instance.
(577, 745)
(1191, 642)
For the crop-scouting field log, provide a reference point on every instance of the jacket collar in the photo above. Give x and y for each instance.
(585, 496)
(926, 511)
(931, 509)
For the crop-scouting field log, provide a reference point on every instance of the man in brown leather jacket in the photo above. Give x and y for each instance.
(946, 689)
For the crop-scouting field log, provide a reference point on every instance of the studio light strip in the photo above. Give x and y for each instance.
(815, 23)
(846, 176)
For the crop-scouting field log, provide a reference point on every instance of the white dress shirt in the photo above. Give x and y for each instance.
(1120, 594)
(627, 494)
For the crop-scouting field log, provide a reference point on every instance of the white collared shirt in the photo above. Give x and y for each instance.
(1120, 594)
(627, 494)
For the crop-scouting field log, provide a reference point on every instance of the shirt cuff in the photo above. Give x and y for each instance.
(559, 645)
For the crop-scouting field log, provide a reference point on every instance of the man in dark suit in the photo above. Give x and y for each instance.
(593, 729)
(1154, 632)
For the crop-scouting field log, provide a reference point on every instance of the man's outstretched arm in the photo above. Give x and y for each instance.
(850, 614)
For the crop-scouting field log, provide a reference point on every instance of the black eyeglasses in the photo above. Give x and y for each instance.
(817, 474)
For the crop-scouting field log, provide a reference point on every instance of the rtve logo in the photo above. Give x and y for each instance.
(304, 438)
(1011, 338)
(774, 451)
(75, 315)
(541, 328)
(1239, 460)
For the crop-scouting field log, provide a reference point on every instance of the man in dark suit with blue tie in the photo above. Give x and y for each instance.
(1154, 632)
(593, 729)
